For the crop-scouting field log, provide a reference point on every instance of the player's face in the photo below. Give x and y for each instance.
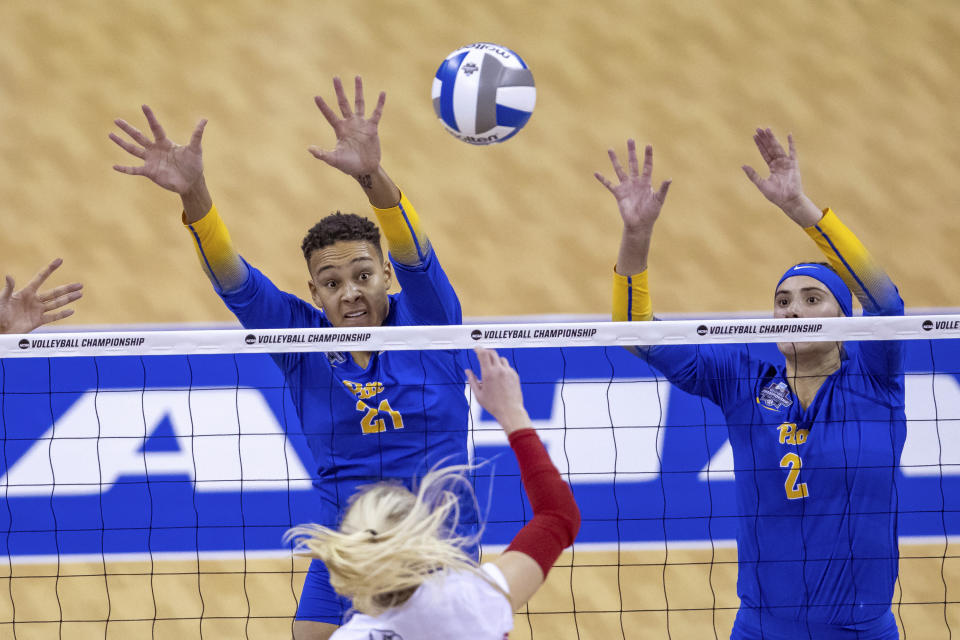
(805, 297)
(349, 281)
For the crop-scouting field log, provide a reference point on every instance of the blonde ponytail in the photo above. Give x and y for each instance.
(391, 541)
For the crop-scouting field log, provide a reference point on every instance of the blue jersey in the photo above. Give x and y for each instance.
(816, 486)
(404, 412)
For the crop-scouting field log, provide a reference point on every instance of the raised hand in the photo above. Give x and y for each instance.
(639, 204)
(357, 152)
(174, 167)
(498, 390)
(784, 187)
(25, 310)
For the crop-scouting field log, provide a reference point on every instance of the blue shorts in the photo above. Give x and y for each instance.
(749, 625)
(318, 601)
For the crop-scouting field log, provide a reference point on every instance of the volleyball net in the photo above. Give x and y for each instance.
(147, 478)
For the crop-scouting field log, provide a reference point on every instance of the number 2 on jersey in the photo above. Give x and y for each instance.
(794, 490)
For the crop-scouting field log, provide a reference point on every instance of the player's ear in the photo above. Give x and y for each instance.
(313, 294)
(387, 274)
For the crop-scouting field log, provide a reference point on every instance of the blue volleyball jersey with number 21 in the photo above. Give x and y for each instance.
(393, 419)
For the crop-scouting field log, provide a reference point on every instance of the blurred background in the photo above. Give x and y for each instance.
(870, 90)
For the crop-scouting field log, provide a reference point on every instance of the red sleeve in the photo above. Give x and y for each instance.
(556, 518)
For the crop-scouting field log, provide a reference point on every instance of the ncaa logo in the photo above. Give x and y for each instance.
(250, 339)
(24, 343)
(927, 325)
(476, 334)
(702, 330)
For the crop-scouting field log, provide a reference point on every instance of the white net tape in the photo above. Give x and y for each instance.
(480, 335)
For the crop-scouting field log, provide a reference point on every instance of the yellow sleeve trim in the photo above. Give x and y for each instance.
(841, 248)
(406, 240)
(219, 259)
(631, 297)
(850, 258)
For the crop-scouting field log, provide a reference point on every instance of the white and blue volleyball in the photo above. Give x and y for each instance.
(483, 93)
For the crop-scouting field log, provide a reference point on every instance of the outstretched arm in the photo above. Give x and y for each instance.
(25, 310)
(843, 250)
(179, 169)
(357, 154)
(556, 518)
(691, 368)
(639, 208)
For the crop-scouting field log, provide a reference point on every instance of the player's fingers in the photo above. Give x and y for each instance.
(59, 291)
(378, 110)
(647, 163)
(482, 353)
(130, 171)
(130, 148)
(47, 318)
(62, 301)
(61, 296)
(483, 357)
(752, 174)
(793, 149)
(198, 134)
(632, 157)
(325, 109)
(615, 161)
(603, 181)
(473, 381)
(322, 154)
(7, 288)
(760, 140)
(43, 274)
(358, 103)
(133, 132)
(776, 149)
(155, 127)
(488, 360)
(662, 193)
(341, 98)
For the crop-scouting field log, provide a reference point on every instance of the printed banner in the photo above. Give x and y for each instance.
(137, 454)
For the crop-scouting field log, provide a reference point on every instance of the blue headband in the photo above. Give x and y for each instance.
(829, 278)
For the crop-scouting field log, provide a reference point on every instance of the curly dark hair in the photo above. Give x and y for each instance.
(340, 226)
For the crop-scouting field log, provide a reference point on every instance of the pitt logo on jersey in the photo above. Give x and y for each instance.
(790, 434)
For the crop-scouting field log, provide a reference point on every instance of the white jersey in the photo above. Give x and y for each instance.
(459, 605)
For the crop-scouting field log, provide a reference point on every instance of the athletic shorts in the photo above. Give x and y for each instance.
(318, 601)
(749, 626)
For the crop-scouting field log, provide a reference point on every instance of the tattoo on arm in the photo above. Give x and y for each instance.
(366, 181)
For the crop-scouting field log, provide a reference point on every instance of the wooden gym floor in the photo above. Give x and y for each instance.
(688, 593)
(869, 89)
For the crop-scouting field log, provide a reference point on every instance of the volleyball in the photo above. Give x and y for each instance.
(483, 93)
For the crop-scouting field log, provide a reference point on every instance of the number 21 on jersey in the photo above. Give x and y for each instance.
(373, 420)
